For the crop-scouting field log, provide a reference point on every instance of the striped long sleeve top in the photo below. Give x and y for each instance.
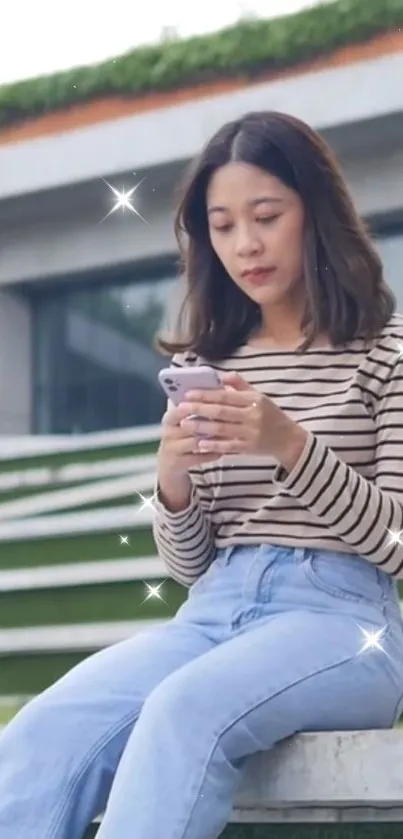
(346, 491)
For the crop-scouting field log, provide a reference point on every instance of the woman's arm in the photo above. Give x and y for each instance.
(184, 539)
(182, 528)
(366, 515)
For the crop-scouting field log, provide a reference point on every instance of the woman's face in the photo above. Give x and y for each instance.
(256, 229)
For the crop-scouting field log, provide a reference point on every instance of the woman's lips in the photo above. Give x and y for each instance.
(258, 277)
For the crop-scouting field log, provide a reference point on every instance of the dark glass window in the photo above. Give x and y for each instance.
(95, 364)
(390, 248)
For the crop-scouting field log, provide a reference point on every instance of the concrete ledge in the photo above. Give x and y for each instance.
(324, 778)
(332, 777)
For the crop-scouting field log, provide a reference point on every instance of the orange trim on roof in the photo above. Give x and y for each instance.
(114, 107)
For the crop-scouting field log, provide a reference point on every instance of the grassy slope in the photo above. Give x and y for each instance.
(80, 548)
(88, 604)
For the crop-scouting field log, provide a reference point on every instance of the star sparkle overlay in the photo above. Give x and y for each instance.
(148, 501)
(395, 537)
(123, 200)
(154, 592)
(373, 639)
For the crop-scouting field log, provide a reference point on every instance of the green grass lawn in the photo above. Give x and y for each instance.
(83, 547)
(7, 712)
(30, 673)
(89, 603)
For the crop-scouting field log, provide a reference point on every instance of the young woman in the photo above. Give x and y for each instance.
(285, 520)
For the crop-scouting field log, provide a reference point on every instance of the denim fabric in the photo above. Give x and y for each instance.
(157, 729)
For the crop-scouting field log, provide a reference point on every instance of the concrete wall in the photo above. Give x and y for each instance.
(59, 233)
(15, 363)
(62, 233)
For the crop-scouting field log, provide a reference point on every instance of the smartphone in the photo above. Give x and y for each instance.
(176, 381)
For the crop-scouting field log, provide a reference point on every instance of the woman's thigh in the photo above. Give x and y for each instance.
(291, 672)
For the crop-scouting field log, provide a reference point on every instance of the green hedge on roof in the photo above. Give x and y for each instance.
(245, 50)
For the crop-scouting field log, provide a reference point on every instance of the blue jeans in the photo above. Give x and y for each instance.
(269, 642)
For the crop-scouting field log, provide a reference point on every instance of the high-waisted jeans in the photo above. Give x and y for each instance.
(156, 730)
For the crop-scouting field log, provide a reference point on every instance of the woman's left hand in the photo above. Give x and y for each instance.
(240, 420)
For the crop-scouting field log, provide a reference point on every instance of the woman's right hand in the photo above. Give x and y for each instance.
(178, 452)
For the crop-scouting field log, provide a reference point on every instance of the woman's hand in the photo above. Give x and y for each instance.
(179, 449)
(240, 420)
(178, 452)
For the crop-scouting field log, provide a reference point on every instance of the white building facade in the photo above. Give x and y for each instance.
(82, 295)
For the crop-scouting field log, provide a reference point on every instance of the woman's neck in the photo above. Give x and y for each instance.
(290, 342)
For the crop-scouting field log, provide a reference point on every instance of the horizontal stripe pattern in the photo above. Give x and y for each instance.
(345, 493)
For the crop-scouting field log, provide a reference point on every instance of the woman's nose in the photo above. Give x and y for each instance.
(247, 243)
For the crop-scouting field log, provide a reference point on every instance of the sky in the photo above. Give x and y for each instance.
(40, 37)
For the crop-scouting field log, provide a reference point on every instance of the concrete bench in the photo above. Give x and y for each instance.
(323, 778)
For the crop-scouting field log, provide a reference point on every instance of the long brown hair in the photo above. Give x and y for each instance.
(346, 293)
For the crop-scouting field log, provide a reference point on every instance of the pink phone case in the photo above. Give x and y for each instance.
(176, 381)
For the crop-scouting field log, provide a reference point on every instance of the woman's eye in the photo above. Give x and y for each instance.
(225, 228)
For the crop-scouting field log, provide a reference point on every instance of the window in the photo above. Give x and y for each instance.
(390, 248)
(95, 364)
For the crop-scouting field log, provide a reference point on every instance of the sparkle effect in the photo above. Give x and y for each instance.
(154, 592)
(396, 537)
(124, 540)
(147, 501)
(123, 200)
(373, 639)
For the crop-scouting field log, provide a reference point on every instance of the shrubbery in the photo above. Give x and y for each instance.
(250, 48)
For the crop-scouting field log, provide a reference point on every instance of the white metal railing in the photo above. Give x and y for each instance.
(44, 476)
(21, 446)
(104, 520)
(70, 638)
(82, 573)
(62, 499)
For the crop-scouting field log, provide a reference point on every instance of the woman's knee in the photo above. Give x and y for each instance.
(179, 701)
